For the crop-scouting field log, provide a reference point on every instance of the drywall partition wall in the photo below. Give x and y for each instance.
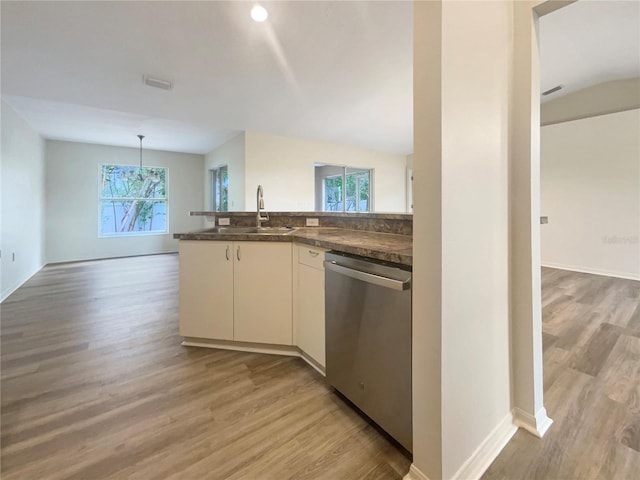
(23, 189)
(524, 218)
(427, 243)
(476, 40)
(284, 166)
(461, 378)
(232, 155)
(590, 190)
(72, 206)
(601, 99)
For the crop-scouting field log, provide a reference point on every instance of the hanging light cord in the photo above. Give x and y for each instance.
(140, 137)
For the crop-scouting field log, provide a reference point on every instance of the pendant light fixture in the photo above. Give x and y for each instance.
(140, 137)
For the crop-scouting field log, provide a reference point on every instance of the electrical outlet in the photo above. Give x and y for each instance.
(224, 221)
(312, 222)
(544, 220)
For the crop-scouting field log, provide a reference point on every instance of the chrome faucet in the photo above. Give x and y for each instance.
(260, 206)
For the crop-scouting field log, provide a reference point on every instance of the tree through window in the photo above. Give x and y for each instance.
(133, 200)
(220, 189)
(348, 192)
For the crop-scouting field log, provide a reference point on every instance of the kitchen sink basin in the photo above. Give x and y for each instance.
(252, 230)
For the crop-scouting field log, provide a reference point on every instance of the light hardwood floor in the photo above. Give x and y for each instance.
(591, 341)
(95, 384)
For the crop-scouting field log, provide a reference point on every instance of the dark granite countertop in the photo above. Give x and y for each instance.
(381, 246)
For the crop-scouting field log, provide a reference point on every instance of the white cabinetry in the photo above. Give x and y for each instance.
(206, 289)
(263, 289)
(310, 302)
(239, 291)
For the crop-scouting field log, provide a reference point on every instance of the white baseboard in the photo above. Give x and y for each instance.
(415, 474)
(319, 368)
(537, 425)
(593, 271)
(482, 457)
(487, 451)
(6, 292)
(287, 350)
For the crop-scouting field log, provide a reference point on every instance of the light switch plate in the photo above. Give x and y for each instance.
(312, 222)
(224, 221)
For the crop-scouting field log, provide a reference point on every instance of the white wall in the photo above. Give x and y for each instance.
(72, 205)
(600, 99)
(410, 160)
(590, 189)
(22, 171)
(475, 228)
(284, 166)
(524, 219)
(462, 54)
(427, 243)
(232, 155)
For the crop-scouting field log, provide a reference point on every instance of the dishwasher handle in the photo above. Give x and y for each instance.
(368, 277)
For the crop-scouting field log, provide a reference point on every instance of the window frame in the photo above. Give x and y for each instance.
(324, 192)
(213, 190)
(359, 171)
(135, 233)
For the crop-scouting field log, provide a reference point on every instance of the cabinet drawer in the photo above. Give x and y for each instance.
(311, 256)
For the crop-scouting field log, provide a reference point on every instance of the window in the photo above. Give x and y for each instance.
(333, 194)
(220, 189)
(133, 200)
(357, 199)
(349, 191)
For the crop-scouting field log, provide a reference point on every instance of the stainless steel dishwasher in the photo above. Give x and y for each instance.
(368, 339)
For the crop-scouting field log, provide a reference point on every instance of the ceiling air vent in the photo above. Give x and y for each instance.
(157, 83)
(552, 90)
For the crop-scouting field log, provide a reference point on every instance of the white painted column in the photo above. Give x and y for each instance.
(526, 316)
(461, 374)
(427, 243)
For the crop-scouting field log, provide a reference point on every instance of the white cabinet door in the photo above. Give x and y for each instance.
(311, 312)
(263, 292)
(206, 289)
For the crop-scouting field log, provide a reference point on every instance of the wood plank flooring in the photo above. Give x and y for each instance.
(591, 341)
(96, 385)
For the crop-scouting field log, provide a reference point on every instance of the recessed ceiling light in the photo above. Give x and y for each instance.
(259, 13)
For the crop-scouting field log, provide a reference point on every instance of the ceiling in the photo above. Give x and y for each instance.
(587, 43)
(334, 71)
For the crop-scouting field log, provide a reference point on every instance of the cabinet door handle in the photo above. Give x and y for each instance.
(227, 253)
(238, 253)
(313, 254)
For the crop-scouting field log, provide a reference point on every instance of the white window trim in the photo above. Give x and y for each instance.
(212, 184)
(344, 175)
(137, 233)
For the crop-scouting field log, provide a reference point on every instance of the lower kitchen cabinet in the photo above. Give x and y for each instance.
(263, 289)
(206, 289)
(239, 291)
(310, 301)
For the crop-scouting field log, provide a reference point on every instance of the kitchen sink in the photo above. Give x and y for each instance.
(252, 230)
